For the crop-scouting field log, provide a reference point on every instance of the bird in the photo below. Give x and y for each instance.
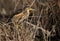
(22, 16)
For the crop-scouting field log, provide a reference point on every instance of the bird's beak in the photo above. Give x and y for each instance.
(31, 9)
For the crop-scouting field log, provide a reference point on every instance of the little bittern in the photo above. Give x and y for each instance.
(21, 16)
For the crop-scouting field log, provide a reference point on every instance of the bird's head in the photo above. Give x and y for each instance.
(30, 9)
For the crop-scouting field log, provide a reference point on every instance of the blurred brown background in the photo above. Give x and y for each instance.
(47, 16)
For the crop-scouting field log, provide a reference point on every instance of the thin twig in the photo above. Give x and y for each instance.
(44, 31)
(16, 5)
(32, 3)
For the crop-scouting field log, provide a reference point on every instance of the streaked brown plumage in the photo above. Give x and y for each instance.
(21, 16)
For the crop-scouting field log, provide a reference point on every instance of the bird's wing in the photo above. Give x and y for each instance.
(17, 17)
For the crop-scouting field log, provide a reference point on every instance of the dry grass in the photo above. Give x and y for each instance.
(44, 18)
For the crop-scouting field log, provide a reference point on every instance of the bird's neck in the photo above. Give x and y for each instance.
(28, 11)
